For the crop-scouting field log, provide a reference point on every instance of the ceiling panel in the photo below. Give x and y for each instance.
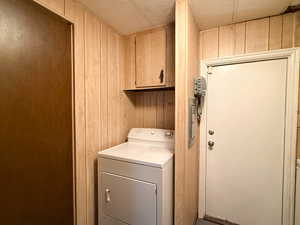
(158, 12)
(259, 8)
(295, 2)
(130, 16)
(212, 13)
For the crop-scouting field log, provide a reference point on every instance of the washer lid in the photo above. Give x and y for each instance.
(138, 153)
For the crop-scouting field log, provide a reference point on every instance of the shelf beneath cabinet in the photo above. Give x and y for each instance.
(150, 89)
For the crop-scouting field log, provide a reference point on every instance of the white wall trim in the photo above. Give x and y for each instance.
(292, 55)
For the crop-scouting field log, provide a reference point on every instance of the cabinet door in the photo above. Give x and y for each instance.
(130, 201)
(151, 58)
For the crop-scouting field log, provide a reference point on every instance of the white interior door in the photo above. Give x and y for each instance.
(245, 165)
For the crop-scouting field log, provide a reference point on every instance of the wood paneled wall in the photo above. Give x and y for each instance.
(256, 35)
(104, 113)
(192, 154)
(155, 109)
(264, 34)
(186, 160)
(104, 101)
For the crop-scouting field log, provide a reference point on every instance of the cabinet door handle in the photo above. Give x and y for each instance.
(161, 76)
(107, 195)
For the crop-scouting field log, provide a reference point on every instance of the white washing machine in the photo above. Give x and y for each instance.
(135, 179)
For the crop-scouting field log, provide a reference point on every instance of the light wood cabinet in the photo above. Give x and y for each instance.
(151, 59)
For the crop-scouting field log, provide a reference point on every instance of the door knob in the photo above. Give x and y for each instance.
(211, 144)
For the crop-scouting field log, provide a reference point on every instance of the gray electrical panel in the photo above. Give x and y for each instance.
(193, 120)
(195, 107)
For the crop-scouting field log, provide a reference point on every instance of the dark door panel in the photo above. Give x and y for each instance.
(36, 150)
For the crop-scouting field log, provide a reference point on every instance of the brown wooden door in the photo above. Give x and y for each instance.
(151, 58)
(36, 150)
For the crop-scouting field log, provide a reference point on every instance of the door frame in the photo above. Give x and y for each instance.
(290, 137)
(78, 200)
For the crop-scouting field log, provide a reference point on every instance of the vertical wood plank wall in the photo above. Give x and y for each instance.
(186, 160)
(104, 113)
(155, 109)
(105, 105)
(192, 154)
(269, 33)
(104, 100)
